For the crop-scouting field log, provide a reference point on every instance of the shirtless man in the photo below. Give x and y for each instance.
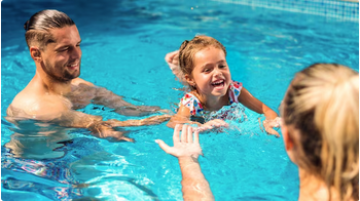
(55, 92)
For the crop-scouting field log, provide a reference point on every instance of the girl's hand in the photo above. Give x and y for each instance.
(172, 59)
(270, 123)
(216, 123)
(186, 146)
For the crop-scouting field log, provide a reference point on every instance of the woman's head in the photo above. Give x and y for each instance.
(203, 63)
(321, 125)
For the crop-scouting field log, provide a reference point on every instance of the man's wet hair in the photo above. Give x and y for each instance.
(39, 25)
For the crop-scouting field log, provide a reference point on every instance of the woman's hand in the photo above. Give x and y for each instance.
(187, 149)
(185, 146)
(269, 125)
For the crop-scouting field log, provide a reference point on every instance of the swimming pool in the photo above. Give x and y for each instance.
(124, 44)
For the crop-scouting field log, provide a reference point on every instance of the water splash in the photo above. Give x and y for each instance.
(241, 120)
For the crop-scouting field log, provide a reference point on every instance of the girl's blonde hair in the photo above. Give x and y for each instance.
(322, 103)
(189, 48)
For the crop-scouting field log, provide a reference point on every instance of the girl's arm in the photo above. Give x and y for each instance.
(183, 117)
(256, 105)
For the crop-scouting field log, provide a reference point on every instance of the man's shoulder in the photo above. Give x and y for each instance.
(24, 99)
(32, 105)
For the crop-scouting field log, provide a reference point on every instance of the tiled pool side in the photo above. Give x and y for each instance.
(345, 10)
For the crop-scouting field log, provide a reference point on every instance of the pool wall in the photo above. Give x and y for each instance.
(344, 10)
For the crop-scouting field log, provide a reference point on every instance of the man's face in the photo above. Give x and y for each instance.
(61, 59)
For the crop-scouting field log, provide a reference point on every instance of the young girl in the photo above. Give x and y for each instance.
(203, 67)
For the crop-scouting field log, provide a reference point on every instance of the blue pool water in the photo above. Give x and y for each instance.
(123, 45)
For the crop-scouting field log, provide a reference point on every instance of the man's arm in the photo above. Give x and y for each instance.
(104, 129)
(84, 93)
(187, 150)
(95, 124)
(109, 99)
(58, 110)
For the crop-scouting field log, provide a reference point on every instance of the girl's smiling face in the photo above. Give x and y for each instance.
(211, 75)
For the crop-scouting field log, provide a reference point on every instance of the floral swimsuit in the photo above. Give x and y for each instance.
(196, 109)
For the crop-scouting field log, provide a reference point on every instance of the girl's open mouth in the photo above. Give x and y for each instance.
(218, 83)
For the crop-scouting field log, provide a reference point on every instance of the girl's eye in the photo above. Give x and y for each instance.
(207, 70)
(222, 66)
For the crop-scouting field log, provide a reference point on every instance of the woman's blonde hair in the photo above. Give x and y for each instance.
(322, 102)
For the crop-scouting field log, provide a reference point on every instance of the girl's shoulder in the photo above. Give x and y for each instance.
(234, 91)
(236, 85)
(189, 97)
(190, 101)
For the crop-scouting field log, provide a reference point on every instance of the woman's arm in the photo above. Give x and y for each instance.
(187, 149)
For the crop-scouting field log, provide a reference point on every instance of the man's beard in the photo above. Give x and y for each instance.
(65, 75)
(69, 76)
